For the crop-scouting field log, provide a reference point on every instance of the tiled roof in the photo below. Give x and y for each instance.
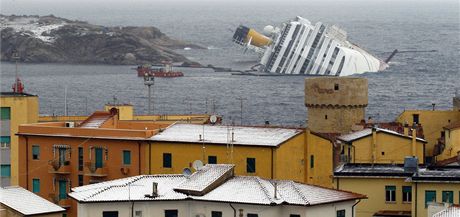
(371, 170)
(26, 202)
(204, 179)
(449, 174)
(452, 211)
(235, 189)
(216, 134)
(368, 131)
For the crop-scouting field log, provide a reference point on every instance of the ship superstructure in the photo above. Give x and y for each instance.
(300, 47)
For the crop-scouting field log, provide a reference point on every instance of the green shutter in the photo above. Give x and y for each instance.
(35, 185)
(5, 170)
(407, 189)
(251, 165)
(62, 189)
(126, 157)
(36, 150)
(390, 188)
(448, 196)
(312, 161)
(430, 196)
(5, 113)
(5, 139)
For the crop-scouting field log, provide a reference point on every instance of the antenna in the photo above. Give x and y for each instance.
(197, 165)
(241, 107)
(187, 172)
(149, 80)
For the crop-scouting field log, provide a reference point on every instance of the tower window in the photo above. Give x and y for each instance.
(325, 117)
(336, 86)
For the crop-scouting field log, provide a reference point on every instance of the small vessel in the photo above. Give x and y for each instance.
(302, 48)
(165, 70)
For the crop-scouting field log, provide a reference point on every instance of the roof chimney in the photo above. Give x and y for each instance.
(154, 191)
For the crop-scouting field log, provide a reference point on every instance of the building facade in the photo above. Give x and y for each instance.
(16, 109)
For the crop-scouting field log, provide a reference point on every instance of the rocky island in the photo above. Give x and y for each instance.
(50, 39)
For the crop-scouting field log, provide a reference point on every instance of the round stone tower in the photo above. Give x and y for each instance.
(335, 104)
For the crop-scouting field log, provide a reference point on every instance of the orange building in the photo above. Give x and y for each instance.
(61, 155)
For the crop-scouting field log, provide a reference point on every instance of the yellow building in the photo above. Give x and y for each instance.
(437, 185)
(275, 153)
(16, 109)
(384, 185)
(322, 158)
(451, 143)
(380, 146)
(432, 123)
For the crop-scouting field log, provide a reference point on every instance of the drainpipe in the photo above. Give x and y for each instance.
(27, 162)
(353, 208)
(414, 142)
(416, 191)
(139, 157)
(374, 144)
(150, 158)
(272, 170)
(234, 210)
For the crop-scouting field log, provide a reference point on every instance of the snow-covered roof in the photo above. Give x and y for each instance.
(200, 181)
(216, 134)
(371, 170)
(368, 131)
(449, 174)
(26, 202)
(235, 189)
(452, 211)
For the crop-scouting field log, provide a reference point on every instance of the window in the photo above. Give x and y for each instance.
(250, 165)
(252, 215)
(312, 161)
(5, 170)
(62, 158)
(110, 214)
(448, 197)
(80, 180)
(336, 86)
(80, 158)
(407, 193)
(138, 213)
(216, 214)
(167, 160)
(126, 157)
(62, 189)
(35, 185)
(35, 152)
(212, 159)
(325, 117)
(5, 139)
(415, 118)
(390, 193)
(5, 113)
(430, 196)
(294, 215)
(171, 213)
(99, 161)
(341, 213)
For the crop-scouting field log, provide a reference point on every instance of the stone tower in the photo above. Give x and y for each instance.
(335, 104)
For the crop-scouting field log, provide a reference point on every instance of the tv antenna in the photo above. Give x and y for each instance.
(149, 80)
(187, 172)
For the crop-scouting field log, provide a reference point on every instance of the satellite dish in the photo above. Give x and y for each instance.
(187, 172)
(197, 165)
(213, 119)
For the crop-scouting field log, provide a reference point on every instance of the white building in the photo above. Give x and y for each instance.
(16, 202)
(212, 191)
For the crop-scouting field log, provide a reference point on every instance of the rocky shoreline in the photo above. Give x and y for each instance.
(50, 39)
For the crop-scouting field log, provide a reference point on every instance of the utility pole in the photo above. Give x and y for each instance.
(241, 109)
(149, 81)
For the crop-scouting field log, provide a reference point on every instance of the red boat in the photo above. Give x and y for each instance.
(164, 70)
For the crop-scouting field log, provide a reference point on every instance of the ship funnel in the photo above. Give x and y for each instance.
(247, 37)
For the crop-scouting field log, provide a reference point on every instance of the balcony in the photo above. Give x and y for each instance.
(60, 201)
(59, 167)
(94, 171)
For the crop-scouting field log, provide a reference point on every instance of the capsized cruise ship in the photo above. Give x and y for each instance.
(301, 48)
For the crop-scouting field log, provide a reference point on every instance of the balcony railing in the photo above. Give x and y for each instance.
(62, 201)
(95, 170)
(59, 167)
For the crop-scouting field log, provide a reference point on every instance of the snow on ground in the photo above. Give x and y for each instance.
(30, 26)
